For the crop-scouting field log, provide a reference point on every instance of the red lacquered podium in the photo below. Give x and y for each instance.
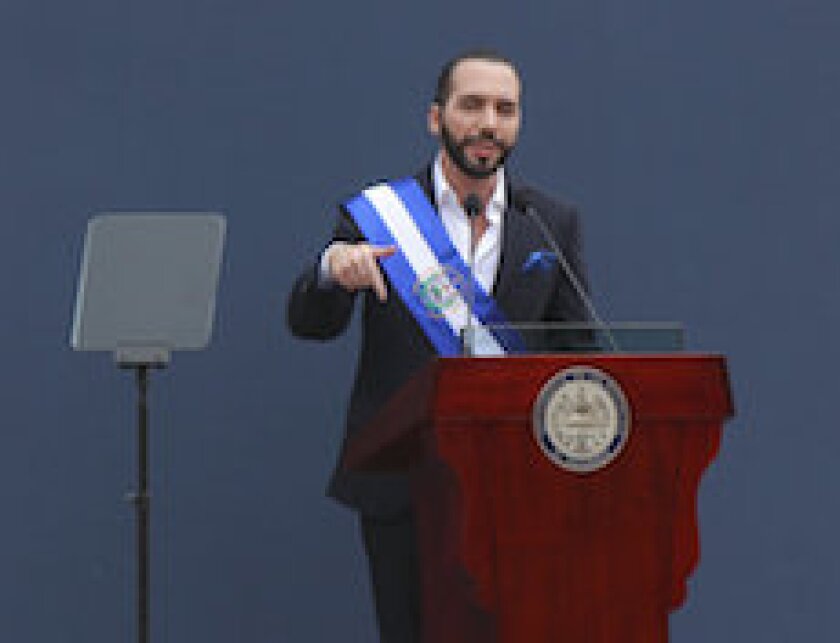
(515, 549)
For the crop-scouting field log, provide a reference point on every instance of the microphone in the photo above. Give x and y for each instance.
(523, 200)
(472, 208)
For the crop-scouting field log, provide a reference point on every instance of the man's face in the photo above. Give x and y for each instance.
(479, 122)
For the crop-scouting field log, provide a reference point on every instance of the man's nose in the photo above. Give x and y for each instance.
(488, 118)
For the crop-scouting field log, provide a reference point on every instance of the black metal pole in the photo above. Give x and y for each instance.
(141, 504)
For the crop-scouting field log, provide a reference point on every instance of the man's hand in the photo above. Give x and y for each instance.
(356, 265)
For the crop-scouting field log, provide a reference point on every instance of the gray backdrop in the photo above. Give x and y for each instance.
(699, 138)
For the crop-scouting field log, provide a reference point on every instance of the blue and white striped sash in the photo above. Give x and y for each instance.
(427, 272)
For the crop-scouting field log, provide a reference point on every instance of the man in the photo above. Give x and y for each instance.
(476, 115)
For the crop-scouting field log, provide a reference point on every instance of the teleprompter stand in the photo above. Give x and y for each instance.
(147, 287)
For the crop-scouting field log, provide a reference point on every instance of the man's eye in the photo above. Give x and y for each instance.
(506, 109)
(471, 103)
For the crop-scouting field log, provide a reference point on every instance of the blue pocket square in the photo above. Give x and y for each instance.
(541, 260)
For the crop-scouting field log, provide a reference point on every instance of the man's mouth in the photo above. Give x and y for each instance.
(484, 144)
(485, 149)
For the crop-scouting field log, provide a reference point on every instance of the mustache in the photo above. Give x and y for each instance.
(484, 137)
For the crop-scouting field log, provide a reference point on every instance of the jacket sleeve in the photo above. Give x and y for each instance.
(315, 310)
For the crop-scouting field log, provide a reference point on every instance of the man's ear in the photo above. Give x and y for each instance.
(433, 119)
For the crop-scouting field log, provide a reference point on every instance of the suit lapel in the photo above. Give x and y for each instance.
(424, 178)
(520, 295)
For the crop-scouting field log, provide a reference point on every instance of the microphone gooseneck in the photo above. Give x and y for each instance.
(472, 208)
(523, 201)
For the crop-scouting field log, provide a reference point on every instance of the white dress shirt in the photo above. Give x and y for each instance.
(489, 248)
(454, 218)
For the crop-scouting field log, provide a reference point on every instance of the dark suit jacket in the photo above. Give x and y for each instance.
(394, 346)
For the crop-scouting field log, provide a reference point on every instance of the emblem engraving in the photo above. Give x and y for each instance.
(581, 419)
(439, 290)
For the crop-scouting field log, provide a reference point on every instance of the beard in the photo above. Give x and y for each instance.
(457, 151)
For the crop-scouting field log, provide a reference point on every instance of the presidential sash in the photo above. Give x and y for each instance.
(427, 272)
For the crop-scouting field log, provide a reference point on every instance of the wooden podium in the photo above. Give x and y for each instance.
(515, 549)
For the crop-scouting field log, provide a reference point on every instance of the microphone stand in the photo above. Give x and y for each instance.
(572, 277)
(472, 208)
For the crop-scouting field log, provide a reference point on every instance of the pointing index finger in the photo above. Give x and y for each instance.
(377, 280)
(383, 251)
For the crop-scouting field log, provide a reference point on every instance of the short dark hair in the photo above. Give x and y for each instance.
(443, 89)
